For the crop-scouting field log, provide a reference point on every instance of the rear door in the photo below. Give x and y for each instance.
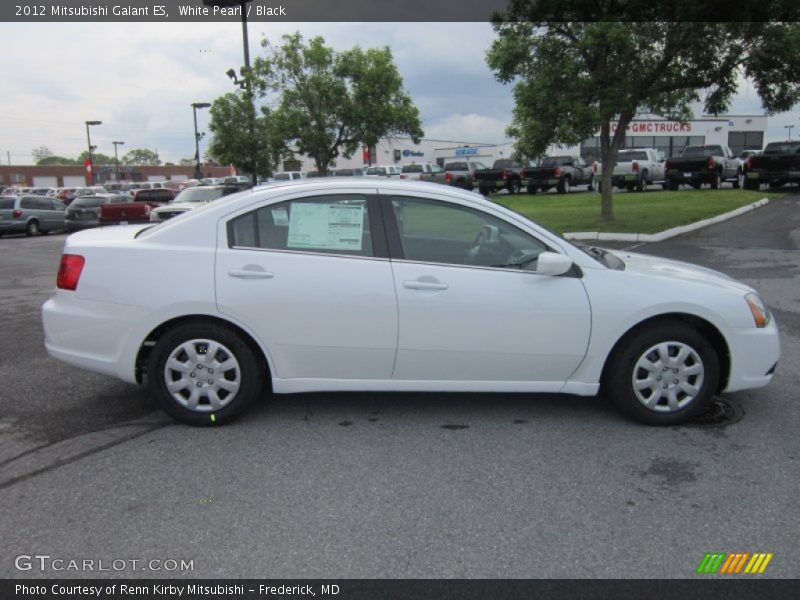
(311, 276)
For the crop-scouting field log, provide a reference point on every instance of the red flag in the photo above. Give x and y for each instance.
(88, 165)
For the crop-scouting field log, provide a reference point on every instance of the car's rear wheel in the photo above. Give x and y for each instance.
(564, 185)
(751, 184)
(32, 228)
(484, 190)
(532, 189)
(204, 374)
(663, 375)
(716, 183)
(513, 186)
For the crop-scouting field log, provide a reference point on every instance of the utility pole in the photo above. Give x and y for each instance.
(116, 158)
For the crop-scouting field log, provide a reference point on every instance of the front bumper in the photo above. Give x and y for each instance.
(753, 355)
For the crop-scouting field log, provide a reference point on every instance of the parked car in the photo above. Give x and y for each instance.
(84, 211)
(745, 154)
(30, 214)
(459, 174)
(505, 174)
(212, 181)
(779, 164)
(383, 171)
(635, 169)
(356, 172)
(712, 164)
(264, 291)
(137, 209)
(192, 198)
(414, 170)
(560, 172)
(237, 180)
(288, 175)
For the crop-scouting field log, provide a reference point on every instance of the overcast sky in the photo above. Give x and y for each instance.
(140, 79)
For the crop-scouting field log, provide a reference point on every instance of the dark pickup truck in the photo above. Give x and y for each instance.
(710, 164)
(560, 172)
(137, 210)
(505, 174)
(777, 165)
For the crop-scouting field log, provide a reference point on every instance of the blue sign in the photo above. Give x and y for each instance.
(408, 153)
(466, 151)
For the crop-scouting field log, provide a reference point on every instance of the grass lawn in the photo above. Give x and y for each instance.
(643, 212)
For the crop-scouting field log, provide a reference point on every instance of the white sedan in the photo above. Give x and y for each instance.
(395, 285)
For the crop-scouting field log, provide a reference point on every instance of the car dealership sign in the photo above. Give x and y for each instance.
(656, 127)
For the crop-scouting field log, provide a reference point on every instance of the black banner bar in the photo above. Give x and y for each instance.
(743, 588)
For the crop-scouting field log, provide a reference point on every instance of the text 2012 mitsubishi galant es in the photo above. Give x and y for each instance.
(367, 285)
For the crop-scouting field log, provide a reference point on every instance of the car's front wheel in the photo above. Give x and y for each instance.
(663, 375)
(204, 374)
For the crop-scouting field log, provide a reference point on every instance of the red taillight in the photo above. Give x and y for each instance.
(69, 271)
(711, 162)
(448, 177)
(505, 174)
(748, 165)
(635, 167)
(666, 165)
(557, 172)
(403, 176)
(17, 213)
(594, 168)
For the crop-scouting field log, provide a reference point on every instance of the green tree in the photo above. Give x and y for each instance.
(98, 159)
(574, 77)
(140, 157)
(231, 142)
(327, 102)
(41, 153)
(56, 160)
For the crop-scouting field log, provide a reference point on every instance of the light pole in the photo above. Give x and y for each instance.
(89, 140)
(195, 105)
(789, 129)
(116, 158)
(246, 74)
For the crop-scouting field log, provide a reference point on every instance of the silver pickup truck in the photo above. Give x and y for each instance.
(459, 174)
(635, 169)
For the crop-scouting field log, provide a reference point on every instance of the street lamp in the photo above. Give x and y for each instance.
(89, 140)
(116, 159)
(245, 74)
(789, 128)
(195, 105)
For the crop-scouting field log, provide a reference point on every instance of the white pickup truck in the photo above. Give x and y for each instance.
(636, 169)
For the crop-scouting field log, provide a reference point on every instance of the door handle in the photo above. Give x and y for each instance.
(425, 285)
(250, 274)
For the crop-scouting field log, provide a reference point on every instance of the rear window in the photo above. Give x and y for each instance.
(703, 151)
(88, 201)
(199, 194)
(412, 169)
(376, 171)
(557, 161)
(783, 148)
(456, 166)
(631, 156)
(7, 202)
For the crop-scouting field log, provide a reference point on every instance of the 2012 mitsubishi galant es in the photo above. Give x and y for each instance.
(396, 285)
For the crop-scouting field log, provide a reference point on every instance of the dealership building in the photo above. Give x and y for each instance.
(740, 132)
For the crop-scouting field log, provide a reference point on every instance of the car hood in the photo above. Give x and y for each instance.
(179, 206)
(676, 269)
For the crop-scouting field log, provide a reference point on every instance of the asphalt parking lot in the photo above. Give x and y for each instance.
(399, 485)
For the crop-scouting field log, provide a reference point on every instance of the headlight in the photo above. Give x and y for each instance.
(761, 314)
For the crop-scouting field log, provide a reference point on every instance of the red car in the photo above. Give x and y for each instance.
(138, 209)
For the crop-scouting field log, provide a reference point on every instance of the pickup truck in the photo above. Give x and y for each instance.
(636, 169)
(458, 174)
(138, 209)
(710, 164)
(505, 174)
(777, 165)
(561, 172)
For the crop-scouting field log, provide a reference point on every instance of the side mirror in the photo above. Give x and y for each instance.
(552, 263)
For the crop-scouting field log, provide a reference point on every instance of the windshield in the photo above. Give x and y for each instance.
(703, 151)
(198, 194)
(88, 201)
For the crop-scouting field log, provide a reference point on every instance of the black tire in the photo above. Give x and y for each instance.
(739, 181)
(484, 190)
(697, 186)
(532, 189)
(641, 185)
(32, 228)
(621, 370)
(590, 187)
(751, 184)
(716, 183)
(672, 186)
(774, 185)
(564, 185)
(630, 187)
(513, 186)
(251, 373)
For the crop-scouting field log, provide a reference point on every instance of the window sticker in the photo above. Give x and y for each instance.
(328, 226)
(280, 217)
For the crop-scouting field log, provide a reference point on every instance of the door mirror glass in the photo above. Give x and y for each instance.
(552, 263)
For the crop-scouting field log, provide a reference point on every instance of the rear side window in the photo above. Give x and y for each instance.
(330, 224)
(7, 202)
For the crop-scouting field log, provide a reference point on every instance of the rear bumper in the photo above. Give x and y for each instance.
(12, 226)
(770, 176)
(624, 180)
(691, 176)
(73, 225)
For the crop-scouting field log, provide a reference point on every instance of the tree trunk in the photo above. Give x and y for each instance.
(609, 150)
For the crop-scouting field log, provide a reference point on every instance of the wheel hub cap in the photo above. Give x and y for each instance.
(668, 376)
(202, 375)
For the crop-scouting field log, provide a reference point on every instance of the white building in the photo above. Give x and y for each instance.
(740, 132)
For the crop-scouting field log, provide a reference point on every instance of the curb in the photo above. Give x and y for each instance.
(667, 233)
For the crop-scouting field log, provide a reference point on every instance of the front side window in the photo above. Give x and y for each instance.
(440, 232)
(330, 224)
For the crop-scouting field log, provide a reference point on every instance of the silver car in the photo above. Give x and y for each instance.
(84, 211)
(31, 215)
